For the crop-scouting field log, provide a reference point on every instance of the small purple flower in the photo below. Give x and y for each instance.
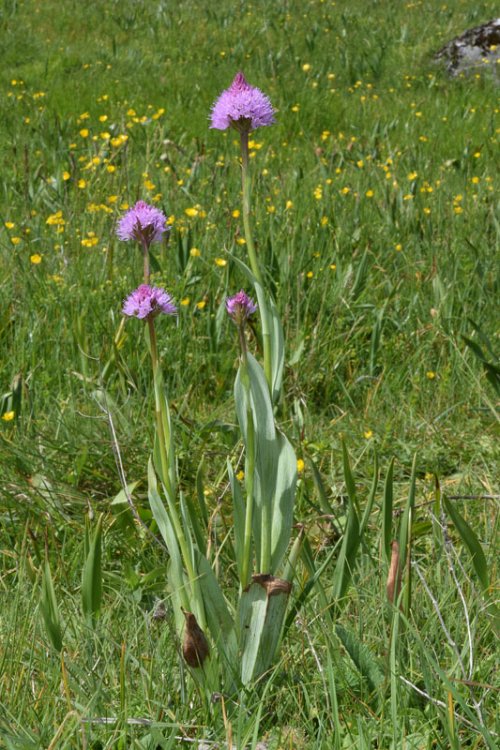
(143, 223)
(240, 307)
(148, 301)
(242, 106)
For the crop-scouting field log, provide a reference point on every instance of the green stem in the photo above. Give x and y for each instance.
(266, 528)
(163, 439)
(167, 457)
(249, 470)
(145, 254)
(254, 263)
(246, 185)
(109, 262)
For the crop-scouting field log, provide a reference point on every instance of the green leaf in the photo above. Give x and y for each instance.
(347, 556)
(471, 542)
(188, 536)
(314, 582)
(491, 368)
(259, 400)
(406, 519)
(165, 527)
(387, 512)
(351, 540)
(200, 492)
(270, 311)
(348, 478)
(92, 575)
(371, 498)
(121, 508)
(238, 518)
(405, 538)
(283, 500)
(361, 276)
(277, 350)
(220, 622)
(320, 489)
(194, 523)
(375, 340)
(50, 610)
(366, 663)
(262, 612)
(275, 476)
(121, 497)
(109, 406)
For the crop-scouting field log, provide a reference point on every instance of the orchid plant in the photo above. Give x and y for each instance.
(228, 640)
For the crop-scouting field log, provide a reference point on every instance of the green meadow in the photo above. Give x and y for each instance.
(375, 217)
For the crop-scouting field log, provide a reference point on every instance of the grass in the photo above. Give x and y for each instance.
(375, 198)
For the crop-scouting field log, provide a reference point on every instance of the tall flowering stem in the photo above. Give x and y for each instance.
(146, 303)
(162, 416)
(249, 479)
(245, 108)
(146, 224)
(167, 454)
(240, 307)
(246, 185)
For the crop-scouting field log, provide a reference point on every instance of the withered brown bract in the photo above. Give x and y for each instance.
(393, 585)
(195, 648)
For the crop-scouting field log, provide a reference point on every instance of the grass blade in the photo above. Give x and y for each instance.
(471, 542)
(92, 576)
(387, 512)
(50, 609)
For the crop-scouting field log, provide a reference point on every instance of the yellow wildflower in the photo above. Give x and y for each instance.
(55, 219)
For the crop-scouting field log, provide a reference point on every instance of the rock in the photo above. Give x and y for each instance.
(475, 48)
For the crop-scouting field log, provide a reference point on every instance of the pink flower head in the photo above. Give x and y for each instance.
(143, 223)
(148, 301)
(240, 307)
(242, 106)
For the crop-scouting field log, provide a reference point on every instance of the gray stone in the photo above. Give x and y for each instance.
(476, 48)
